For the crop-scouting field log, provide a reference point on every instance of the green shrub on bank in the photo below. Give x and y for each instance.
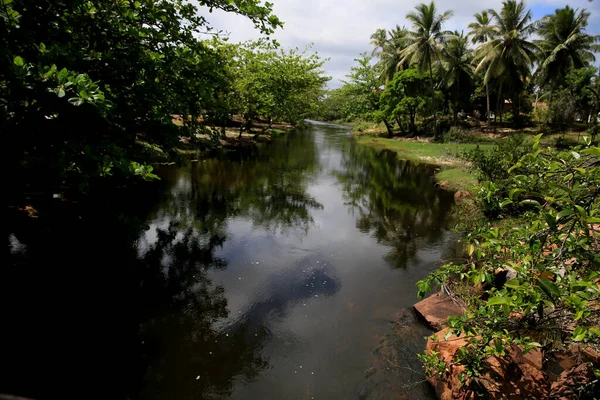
(554, 254)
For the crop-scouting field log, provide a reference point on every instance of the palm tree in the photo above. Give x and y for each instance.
(564, 45)
(508, 56)
(424, 44)
(388, 46)
(480, 34)
(458, 68)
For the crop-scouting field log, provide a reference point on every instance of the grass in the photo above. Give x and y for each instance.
(456, 179)
(454, 174)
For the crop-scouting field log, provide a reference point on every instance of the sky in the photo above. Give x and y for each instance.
(340, 29)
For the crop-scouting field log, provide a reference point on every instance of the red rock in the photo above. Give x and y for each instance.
(436, 309)
(447, 386)
(570, 382)
(517, 373)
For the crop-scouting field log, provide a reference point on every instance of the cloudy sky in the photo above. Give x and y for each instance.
(340, 29)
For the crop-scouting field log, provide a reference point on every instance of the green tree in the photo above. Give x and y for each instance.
(81, 82)
(363, 89)
(564, 46)
(388, 49)
(458, 70)
(480, 34)
(403, 98)
(508, 56)
(425, 44)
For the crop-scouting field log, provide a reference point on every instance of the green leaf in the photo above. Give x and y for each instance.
(581, 211)
(18, 61)
(60, 93)
(595, 151)
(529, 202)
(593, 220)
(549, 287)
(498, 300)
(505, 203)
(513, 284)
(579, 333)
(564, 213)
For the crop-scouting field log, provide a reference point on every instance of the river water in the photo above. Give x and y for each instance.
(285, 274)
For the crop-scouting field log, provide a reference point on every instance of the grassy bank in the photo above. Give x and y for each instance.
(453, 175)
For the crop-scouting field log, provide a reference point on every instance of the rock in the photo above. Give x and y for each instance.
(504, 275)
(369, 372)
(521, 379)
(516, 373)
(436, 309)
(571, 382)
(534, 357)
(446, 387)
(363, 391)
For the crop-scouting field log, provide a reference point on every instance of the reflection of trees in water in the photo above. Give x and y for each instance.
(192, 358)
(395, 200)
(269, 190)
(187, 357)
(142, 314)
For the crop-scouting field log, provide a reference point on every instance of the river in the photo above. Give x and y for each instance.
(285, 274)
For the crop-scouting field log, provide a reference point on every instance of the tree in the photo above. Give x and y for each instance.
(564, 46)
(424, 45)
(388, 48)
(458, 70)
(480, 34)
(402, 97)
(508, 56)
(363, 88)
(81, 82)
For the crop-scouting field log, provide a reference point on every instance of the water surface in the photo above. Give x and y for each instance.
(285, 274)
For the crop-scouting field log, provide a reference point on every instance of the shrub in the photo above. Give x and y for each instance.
(554, 253)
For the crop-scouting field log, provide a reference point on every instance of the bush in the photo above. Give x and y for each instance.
(594, 131)
(563, 142)
(553, 298)
(492, 164)
(458, 135)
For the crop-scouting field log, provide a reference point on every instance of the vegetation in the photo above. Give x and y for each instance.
(83, 83)
(493, 74)
(552, 252)
(535, 212)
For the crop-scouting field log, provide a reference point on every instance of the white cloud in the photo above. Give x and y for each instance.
(340, 29)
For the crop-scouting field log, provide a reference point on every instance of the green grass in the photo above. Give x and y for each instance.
(454, 174)
(430, 153)
(456, 179)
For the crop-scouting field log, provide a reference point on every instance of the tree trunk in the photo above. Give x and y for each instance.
(435, 131)
(487, 91)
(498, 109)
(388, 127)
(516, 111)
(456, 102)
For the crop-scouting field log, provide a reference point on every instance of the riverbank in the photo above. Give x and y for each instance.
(453, 175)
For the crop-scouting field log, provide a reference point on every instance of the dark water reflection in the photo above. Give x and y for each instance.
(283, 275)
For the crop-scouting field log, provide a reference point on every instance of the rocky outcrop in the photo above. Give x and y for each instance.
(436, 309)
(516, 375)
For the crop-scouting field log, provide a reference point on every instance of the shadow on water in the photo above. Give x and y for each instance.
(135, 294)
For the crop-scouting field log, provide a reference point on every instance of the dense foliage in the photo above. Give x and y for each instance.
(494, 72)
(83, 82)
(551, 260)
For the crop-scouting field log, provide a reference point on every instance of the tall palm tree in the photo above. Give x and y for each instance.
(388, 46)
(508, 56)
(425, 44)
(458, 67)
(480, 34)
(564, 45)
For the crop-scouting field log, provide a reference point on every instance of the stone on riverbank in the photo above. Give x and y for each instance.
(436, 309)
